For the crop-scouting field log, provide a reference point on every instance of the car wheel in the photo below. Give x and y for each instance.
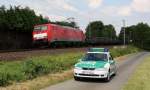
(115, 73)
(76, 78)
(107, 79)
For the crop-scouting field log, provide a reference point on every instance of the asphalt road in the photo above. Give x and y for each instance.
(125, 70)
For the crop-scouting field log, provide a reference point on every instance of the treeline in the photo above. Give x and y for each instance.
(99, 34)
(23, 19)
(138, 35)
(16, 25)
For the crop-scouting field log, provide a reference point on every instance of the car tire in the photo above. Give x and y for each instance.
(107, 79)
(115, 73)
(76, 78)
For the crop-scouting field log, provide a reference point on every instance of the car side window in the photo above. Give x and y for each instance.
(110, 57)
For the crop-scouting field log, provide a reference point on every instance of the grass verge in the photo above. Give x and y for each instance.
(40, 82)
(31, 68)
(140, 80)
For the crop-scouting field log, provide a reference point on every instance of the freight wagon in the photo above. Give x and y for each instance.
(53, 34)
(102, 41)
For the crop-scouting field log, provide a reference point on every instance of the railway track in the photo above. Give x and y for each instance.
(14, 55)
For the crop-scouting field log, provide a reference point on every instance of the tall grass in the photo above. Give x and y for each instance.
(33, 67)
(120, 51)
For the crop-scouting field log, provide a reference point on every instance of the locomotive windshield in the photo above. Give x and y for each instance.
(40, 28)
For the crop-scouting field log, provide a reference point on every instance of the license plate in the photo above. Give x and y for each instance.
(87, 72)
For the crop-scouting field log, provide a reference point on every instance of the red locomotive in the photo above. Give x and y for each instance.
(51, 33)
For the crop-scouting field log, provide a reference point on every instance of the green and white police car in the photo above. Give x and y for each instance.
(96, 63)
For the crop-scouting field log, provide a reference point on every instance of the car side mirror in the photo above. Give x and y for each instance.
(112, 58)
(111, 61)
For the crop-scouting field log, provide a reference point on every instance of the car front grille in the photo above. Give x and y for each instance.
(88, 74)
(88, 68)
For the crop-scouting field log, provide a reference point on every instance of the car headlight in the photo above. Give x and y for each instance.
(78, 68)
(101, 69)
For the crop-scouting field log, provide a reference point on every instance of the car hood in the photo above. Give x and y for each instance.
(91, 64)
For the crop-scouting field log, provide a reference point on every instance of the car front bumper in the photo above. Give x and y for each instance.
(90, 73)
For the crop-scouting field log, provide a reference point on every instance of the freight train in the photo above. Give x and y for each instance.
(102, 41)
(53, 35)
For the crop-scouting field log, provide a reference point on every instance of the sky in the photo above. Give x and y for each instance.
(85, 11)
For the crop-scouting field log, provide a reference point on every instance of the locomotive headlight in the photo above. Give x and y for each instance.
(44, 34)
(41, 35)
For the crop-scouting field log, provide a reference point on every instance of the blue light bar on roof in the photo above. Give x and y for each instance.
(98, 50)
(106, 50)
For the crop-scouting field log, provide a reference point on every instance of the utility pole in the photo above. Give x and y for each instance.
(124, 42)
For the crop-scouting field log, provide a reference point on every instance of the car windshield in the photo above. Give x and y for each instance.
(39, 28)
(95, 57)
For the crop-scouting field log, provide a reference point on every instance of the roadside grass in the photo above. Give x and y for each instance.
(41, 82)
(140, 80)
(120, 51)
(32, 69)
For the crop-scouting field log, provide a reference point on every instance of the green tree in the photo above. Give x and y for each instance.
(95, 29)
(109, 31)
(2, 18)
(98, 29)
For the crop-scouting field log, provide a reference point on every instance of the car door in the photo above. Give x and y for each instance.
(112, 64)
(115, 66)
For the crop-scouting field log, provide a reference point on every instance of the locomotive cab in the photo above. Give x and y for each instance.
(40, 34)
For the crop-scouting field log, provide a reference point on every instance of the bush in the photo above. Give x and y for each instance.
(37, 66)
(116, 52)
(4, 79)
